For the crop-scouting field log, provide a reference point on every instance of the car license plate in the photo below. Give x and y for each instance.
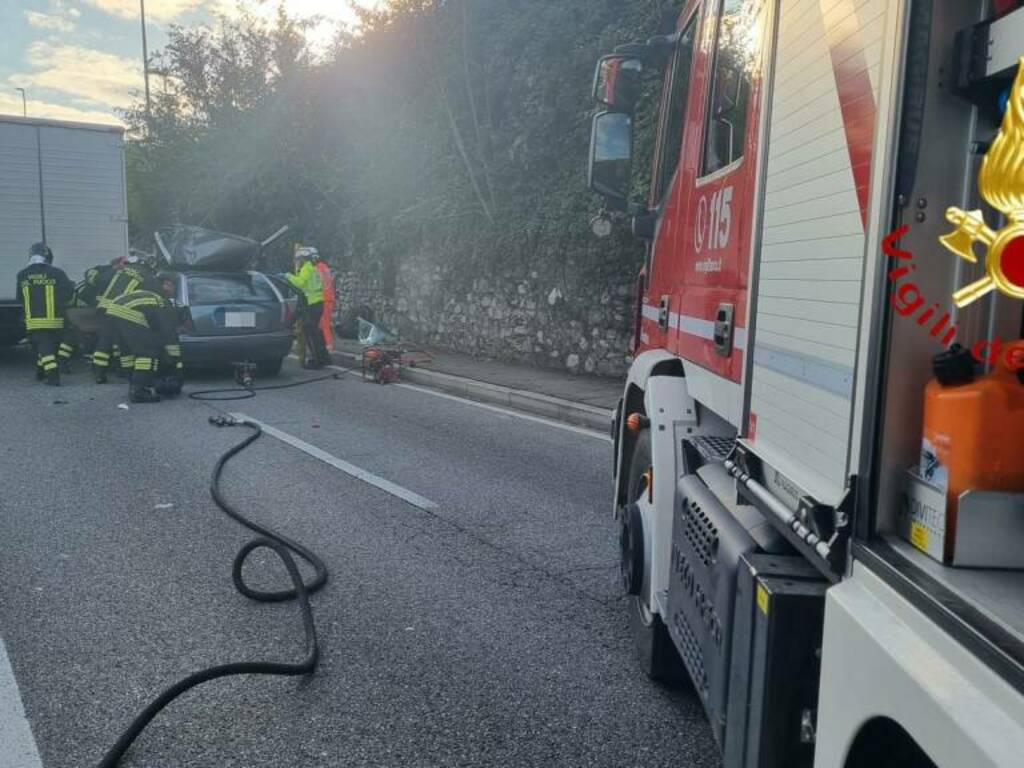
(239, 319)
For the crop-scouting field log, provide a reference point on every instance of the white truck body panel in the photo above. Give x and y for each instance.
(826, 80)
(83, 206)
(20, 215)
(884, 658)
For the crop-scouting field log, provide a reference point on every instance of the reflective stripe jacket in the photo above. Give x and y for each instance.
(44, 292)
(148, 309)
(97, 279)
(151, 310)
(125, 280)
(308, 281)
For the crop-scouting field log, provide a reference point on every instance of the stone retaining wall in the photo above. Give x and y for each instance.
(518, 315)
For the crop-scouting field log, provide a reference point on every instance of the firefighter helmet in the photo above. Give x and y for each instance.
(41, 249)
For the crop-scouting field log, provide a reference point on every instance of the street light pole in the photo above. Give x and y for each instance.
(145, 60)
(24, 102)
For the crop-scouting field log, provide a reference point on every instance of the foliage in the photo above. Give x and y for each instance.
(454, 127)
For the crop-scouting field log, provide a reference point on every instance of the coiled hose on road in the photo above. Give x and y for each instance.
(284, 548)
(244, 393)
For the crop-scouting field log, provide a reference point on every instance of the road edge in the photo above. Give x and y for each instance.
(18, 743)
(554, 408)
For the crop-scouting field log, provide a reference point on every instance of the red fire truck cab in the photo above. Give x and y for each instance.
(772, 547)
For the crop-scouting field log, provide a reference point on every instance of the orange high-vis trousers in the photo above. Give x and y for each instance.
(326, 319)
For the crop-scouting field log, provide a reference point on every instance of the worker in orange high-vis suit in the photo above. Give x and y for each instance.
(327, 318)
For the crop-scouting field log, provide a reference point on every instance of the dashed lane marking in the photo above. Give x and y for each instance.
(410, 497)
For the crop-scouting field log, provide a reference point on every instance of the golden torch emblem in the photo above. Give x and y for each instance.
(1001, 183)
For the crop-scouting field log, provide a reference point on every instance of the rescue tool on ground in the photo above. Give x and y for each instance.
(794, 494)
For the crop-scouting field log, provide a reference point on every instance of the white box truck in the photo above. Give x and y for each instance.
(62, 183)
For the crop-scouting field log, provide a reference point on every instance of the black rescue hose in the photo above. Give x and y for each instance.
(244, 393)
(284, 548)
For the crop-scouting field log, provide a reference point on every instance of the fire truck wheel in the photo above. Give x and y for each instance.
(655, 651)
(657, 655)
(631, 549)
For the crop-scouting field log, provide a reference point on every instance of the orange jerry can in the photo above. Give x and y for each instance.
(974, 431)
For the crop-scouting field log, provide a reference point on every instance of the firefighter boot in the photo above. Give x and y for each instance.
(100, 363)
(138, 394)
(64, 354)
(125, 366)
(51, 371)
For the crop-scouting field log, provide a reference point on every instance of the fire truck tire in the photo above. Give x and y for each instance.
(657, 655)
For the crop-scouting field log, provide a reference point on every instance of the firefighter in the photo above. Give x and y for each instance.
(307, 279)
(86, 296)
(149, 334)
(126, 278)
(44, 292)
(66, 348)
(327, 278)
(96, 280)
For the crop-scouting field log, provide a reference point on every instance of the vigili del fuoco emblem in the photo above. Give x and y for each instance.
(1001, 184)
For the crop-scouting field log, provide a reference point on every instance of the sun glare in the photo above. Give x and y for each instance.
(335, 10)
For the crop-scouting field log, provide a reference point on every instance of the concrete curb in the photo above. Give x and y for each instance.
(555, 408)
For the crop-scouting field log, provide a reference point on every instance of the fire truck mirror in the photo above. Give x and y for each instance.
(617, 82)
(611, 157)
(645, 225)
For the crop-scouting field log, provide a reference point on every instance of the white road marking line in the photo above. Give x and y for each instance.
(593, 434)
(350, 469)
(16, 741)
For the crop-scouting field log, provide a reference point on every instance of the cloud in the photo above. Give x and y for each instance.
(50, 21)
(11, 105)
(61, 19)
(99, 78)
(156, 10)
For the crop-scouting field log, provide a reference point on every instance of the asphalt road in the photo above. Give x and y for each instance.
(487, 631)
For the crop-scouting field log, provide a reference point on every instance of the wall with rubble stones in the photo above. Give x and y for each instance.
(565, 320)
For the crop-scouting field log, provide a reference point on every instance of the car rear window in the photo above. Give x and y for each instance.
(217, 289)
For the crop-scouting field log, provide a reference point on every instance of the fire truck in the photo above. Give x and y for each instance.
(818, 453)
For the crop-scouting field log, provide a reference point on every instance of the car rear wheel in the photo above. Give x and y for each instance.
(655, 651)
(270, 367)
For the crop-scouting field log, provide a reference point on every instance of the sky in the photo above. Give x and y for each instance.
(82, 59)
